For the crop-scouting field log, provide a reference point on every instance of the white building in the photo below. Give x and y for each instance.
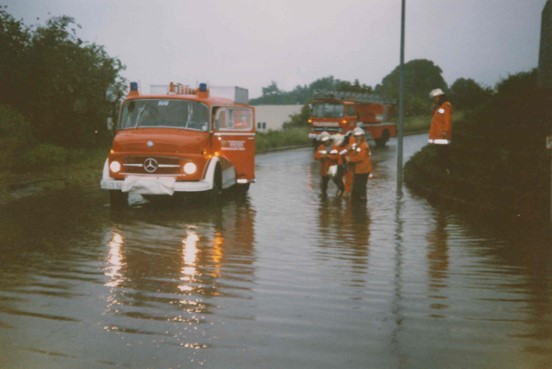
(272, 117)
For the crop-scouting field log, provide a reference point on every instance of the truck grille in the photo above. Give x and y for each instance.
(151, 165)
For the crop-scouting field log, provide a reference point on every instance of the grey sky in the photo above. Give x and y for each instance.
(294, 42)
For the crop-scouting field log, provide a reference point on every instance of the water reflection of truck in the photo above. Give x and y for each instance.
(182, 140)
(340, 112)
(172, 271)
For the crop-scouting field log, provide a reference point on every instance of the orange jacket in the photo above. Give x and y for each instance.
(343, 158)
(440, 131)
(335, 154)
(322, 153)
(359, 155)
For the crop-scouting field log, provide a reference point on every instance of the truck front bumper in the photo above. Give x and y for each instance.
(153, 185)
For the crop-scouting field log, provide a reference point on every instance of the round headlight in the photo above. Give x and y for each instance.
(189, 168)
(115, 166)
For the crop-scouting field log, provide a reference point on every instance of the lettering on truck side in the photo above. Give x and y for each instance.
(232, 145)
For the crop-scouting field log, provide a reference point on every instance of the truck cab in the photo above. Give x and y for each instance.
(182, 141)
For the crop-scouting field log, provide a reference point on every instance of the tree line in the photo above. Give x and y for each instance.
(420, 77)
(52, 87)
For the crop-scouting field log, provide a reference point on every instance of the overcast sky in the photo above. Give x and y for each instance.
(295, 42)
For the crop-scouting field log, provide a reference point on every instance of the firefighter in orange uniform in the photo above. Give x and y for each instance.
(322, 154)
(346, 167)
(359, 156)
(440, 130)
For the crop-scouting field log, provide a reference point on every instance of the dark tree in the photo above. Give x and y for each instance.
(420, 77)
(467, 94)
(57, 81)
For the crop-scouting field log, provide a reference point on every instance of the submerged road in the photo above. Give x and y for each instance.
(282, 279)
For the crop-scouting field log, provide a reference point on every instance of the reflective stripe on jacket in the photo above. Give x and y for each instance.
(440, 131)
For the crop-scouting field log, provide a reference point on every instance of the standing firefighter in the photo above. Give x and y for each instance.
(362, 165)
(440, 130)
(346, 167)
(322, 154)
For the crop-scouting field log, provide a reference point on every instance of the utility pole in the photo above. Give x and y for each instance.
(401, 107)
(549, 147)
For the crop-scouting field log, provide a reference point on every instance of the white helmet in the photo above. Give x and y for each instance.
(436, 92)
(358, 131)
(338, 138)
(324, 136)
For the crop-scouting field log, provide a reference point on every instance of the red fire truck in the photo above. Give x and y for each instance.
(340, 112)
(181, 141)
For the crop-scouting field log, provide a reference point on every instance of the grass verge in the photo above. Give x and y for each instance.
(83, 169)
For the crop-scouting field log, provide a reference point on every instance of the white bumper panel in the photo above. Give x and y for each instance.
(149, 185)
(154, 185)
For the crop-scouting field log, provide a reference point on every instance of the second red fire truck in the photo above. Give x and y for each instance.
(340, 112)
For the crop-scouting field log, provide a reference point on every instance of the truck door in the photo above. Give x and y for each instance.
(234, 132)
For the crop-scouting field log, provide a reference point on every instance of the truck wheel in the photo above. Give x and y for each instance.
(380, 142)
(118, 199)
(216, 192)
(241, 189)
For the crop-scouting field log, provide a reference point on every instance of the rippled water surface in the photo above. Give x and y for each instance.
(281, 279)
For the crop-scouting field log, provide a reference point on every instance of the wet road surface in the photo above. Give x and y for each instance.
(280, 279)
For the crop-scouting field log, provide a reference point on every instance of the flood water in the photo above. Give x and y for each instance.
(281, 279)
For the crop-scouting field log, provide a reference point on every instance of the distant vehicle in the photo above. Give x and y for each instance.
(181, 140)
(340, 112)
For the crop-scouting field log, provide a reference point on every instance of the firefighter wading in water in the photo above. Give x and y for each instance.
(440, 130)
(359, 157)
(322, 154)
(356, 156)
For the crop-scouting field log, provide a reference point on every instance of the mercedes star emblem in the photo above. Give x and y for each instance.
(150, 165)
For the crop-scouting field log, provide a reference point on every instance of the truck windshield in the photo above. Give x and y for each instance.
(327, 110)
(164, 113)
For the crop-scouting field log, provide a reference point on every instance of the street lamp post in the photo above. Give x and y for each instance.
(401, 106)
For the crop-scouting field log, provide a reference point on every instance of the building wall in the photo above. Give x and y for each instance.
(272, 117)
(545, 55)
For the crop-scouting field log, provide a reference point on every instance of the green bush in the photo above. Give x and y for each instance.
(498, 156)
(58, 81)
(15, 137)
(44, 156)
